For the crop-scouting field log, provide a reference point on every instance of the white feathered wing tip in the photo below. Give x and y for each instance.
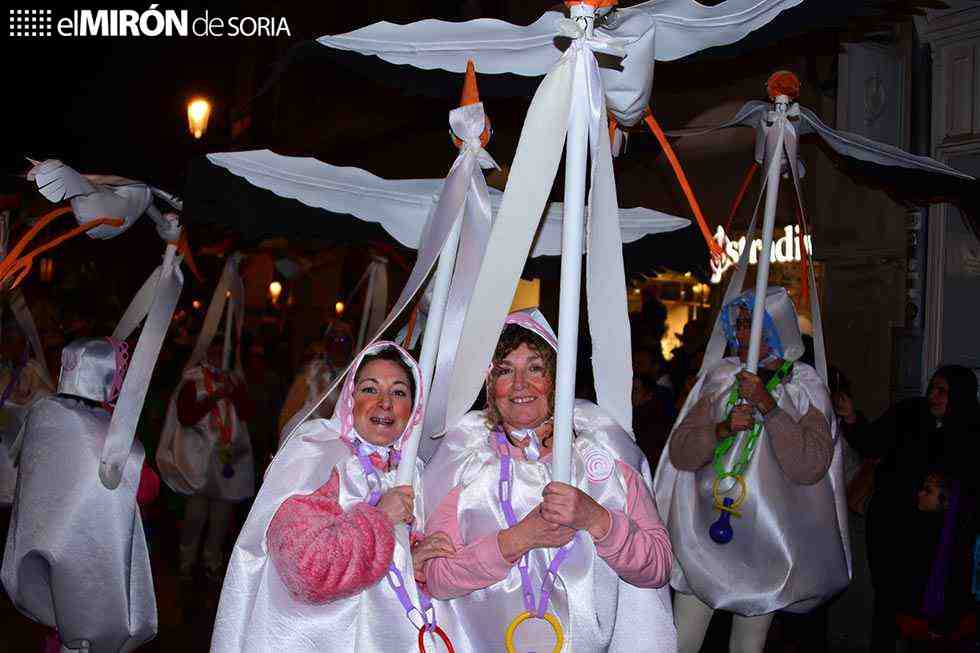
(58, 182)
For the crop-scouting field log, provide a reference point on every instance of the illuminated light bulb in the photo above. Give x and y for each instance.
(198, 113)
(275, 289)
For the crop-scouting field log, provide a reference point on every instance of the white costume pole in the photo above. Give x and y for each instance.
(229, 324)
(430, 343)
(366, 313)
(576, 158)
(769, 221)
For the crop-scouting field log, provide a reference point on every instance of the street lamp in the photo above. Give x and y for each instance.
(198, 113)
(339, 308)
(275, 289)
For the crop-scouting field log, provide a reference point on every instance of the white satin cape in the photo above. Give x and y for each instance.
(256, 612)
(12, 418)
(605, 613)
(76, 557)
(188, 455)
(790, 550)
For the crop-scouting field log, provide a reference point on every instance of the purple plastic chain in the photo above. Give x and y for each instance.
(504, 486)
(426, 614)
(122, 365)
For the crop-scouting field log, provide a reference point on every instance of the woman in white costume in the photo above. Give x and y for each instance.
(23, 381)
(308, 570)
(205, 453)
(329, 357)
(496, 504)
(76, 557)
(758, 522)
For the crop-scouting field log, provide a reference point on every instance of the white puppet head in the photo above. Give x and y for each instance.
(94, 369)
(780, 328)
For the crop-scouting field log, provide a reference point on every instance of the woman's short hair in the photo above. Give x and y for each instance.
(388, 354)
(512, 337)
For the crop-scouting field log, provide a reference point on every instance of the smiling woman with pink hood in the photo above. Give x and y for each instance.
(308, 570)
(582, 566)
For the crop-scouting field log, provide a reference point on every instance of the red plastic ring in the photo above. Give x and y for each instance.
(438, 631)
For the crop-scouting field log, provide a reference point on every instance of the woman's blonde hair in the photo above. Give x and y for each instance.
(512, 337)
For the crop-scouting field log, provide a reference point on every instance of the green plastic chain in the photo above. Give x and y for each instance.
(748, 445)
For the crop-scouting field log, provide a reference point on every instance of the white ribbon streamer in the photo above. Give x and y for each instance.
(447, 211)
(375, 298)
(477, 220)
(529, 184)
(226, 284)
(129, 404)
(22, 313)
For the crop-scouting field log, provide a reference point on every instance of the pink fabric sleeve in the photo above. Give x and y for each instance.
(473, 567)
(637, 546)
(149, 487)
(324, 553)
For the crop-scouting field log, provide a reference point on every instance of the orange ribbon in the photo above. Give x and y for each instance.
(598, 4)
(654, 126)
(410, 329)
(14, 261)
(184, 247)
(741, 195)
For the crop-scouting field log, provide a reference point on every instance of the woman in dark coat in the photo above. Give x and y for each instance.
(920, 563)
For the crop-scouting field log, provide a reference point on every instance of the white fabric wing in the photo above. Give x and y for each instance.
(493, 45)
(853, 146)
(658, 30)
(683, 27)
(400, 206)
(58, 182)
(93, 196)
(858, 147)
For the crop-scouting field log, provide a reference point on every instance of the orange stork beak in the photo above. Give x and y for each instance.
(598, 4)
(471, 95)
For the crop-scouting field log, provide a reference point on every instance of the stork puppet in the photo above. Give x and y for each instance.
(446, 220)
(757, 512)
(75, 523)
(570, 104)
(568, 113)
(96, 198)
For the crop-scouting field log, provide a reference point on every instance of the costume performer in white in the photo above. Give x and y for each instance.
(757, 522)
(308, 570)
(329, 356)
(205, 453)
(590, 557)
(23, 381)
(76, 556)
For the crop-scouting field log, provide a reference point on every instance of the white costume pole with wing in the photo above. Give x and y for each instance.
(768, 223)
(573, 224)
(430, 342)
(779, 124)
(644, 33)
(375, 298)
(99, 196)
(415, 212)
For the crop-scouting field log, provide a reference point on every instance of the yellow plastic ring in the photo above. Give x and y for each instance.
(736, 504)
(524, 616)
